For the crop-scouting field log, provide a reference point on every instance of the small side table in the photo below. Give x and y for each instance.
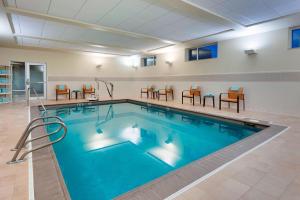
(76, 93)
(208, 96)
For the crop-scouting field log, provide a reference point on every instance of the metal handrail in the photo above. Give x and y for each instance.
(110, 91)
(37, 96)
(22, 141)
(22, 138)
(47, 144)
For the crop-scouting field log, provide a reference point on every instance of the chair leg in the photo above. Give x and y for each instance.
(220, 104)
(238, 106)
(166, 96)
(172, 95)
(244, 104)
(200, 99)
(193, 100)
(181, 99)
(56, 97)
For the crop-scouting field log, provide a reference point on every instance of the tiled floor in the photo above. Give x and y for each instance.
(269, 172)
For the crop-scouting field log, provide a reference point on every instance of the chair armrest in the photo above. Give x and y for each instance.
(222, 94)
(183, 91)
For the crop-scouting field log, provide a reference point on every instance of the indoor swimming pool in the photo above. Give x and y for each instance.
(114, 148)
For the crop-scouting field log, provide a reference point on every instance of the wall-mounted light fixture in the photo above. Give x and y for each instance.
(134, 67)
(169, 63)
(99, 66)
(250, 52)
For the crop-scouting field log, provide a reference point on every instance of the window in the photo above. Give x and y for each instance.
(149, 61)
(295, 37)
(193, 54)
(203, 52)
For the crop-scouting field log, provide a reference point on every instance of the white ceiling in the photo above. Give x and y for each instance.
(248, 12)
(131, 26)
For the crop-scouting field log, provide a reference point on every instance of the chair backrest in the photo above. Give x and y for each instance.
(235, 92)
(195, 90)
(87, 87)
(169, 87)
(61, 87)
(151, 88)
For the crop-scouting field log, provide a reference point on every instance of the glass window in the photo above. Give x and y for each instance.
(149, 61)
(206, 52)
(295, 38)
(193, 54)
(203, 52)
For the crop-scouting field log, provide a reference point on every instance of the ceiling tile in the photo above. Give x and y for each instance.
(94, 10)
(124, 10)
(249, 12)
(34, 5)
(65, 8)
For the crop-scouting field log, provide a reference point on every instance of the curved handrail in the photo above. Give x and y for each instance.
(47, 144)
(40, 137)
(14, 159)
(22, 138)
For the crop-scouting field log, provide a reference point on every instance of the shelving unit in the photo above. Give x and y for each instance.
(5, 84)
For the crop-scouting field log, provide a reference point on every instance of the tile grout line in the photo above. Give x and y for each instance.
(195, 183)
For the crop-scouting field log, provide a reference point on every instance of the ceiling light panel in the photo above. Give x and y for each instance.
(247, 12)
(30, 42)
(27, 25)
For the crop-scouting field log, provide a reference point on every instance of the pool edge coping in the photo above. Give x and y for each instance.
(193, 171)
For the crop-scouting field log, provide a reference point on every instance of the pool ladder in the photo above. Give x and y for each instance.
(23, 141)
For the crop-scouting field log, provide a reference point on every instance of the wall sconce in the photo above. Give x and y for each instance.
(98, 66)
(134, 67)
(169, 63)
(250, 52)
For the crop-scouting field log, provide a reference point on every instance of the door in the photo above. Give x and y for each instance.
(36, 80)
(18, 81)
(25, 76)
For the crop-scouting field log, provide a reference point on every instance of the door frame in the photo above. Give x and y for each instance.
(27, 78)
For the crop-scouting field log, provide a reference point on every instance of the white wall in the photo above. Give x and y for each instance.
(270, 95)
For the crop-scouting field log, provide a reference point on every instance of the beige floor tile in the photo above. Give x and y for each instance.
(272, 185)
(292, 192)
(228, 190)
(254, 194)
(249, 176)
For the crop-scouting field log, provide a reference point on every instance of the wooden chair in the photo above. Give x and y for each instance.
(87, 89)
(148, 91)
(191, 94)
(234, 95)
(62, 90)
(165, 92)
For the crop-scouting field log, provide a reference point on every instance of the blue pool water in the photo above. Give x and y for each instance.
(112, 149)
